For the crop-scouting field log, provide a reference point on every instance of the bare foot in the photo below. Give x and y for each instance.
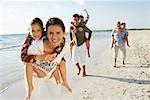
(79, 69)
(67, 87)
(84, 74)
(123, 62)
(89, 54)
(115, 65)
(27, 98)
(29, 93)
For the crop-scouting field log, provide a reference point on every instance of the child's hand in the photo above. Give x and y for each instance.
(85, 10)
(53, 56)
(50, 57)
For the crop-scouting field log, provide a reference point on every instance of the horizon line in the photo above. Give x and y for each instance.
(96, 30)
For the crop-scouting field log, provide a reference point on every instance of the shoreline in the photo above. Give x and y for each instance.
(97, 30)
(103, 81)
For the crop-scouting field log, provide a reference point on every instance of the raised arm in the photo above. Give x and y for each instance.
(87, 18)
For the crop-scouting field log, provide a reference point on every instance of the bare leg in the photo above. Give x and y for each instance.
(115, 62)
(56, 75)
(88, 52)
(39, 72)
(84, 71)
(123, 62)
(123, 50)
(71, 47)
(79, 69)
(63, 75)
(88, 49)
(29, 72)
(116, 49)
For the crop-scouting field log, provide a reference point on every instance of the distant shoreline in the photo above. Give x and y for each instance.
(106, 30)
(132, 29)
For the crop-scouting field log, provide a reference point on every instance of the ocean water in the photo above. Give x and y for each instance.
(11, 67)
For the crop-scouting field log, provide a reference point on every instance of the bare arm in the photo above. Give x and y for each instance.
(126, 39)
(71, 37)
(61, 54)
(87, 18)
(86, 12)
(24, 56)
(113, 41)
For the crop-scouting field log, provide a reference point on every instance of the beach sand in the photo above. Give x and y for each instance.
(104, 82)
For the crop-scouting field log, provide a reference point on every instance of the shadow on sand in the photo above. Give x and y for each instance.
(136, 81)
(133, 65)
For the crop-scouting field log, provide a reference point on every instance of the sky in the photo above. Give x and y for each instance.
(15, 15)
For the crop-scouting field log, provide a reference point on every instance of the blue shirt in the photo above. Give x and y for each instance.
(119, 36)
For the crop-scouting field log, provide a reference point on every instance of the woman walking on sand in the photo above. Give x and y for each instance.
(44, 88)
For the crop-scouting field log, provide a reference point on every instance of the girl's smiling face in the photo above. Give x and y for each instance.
(55, 34)
(36, 31)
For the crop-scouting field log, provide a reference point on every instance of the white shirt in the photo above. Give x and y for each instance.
(36, 47)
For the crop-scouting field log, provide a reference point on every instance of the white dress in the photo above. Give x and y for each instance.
(44, 88)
